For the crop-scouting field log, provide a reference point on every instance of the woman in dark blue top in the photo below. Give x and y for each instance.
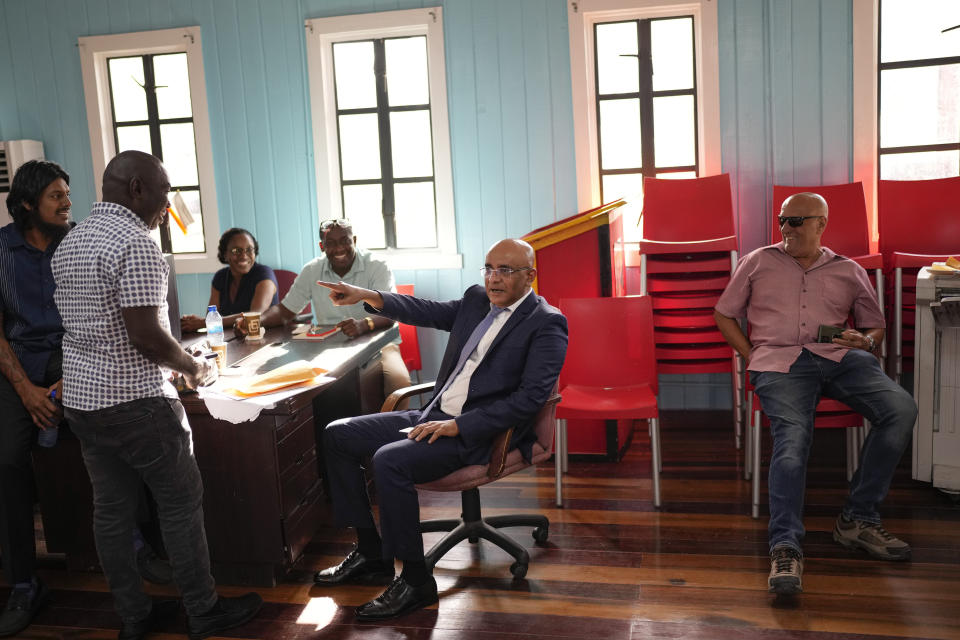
(243, 285)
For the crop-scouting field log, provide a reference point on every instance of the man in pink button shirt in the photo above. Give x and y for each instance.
(786, 291)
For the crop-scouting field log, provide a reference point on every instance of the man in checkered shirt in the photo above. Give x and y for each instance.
(111, 292)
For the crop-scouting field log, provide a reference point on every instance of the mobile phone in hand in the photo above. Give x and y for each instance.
(827, 333)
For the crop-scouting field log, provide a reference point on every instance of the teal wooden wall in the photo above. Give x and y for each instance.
(785, 91)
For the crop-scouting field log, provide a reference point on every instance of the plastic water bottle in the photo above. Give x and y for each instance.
(48, 437)
(214, 326)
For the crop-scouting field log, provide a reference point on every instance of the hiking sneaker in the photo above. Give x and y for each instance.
(786, 569)
(872, 538)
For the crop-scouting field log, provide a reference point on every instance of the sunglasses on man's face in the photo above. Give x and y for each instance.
(794, 221)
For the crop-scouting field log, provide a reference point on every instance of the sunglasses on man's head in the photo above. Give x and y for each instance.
(794, 221)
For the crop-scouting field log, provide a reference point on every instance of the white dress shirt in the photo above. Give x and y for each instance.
(451, 403)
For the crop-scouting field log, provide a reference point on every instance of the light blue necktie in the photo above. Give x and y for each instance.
(468, 349)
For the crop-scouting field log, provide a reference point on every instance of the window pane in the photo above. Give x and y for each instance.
(126, 83)
(407, 80)
(920, 106)
(909, 33)
(677, 175)
(674, 131)
(363, 205)
(616, 45)
(173, 86)
(620, 134)
(411, 144)
(630, 188)
(179, 153)
(671, 44)
(193, 241)
(415, 214)
(359, 147)
(136, 138)
(927, 165)
(355, 79)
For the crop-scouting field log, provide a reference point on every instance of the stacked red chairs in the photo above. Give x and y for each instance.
(687, 255)
(919, 223)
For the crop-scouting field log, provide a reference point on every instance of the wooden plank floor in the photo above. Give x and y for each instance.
(614, 568)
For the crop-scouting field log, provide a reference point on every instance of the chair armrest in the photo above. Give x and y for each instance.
(394, 398)
(501, 444)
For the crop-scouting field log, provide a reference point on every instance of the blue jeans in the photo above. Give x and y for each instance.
(790, 400)
(149, 441)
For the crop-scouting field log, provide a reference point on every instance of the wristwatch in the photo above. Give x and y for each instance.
(873, 343)
(369, 322)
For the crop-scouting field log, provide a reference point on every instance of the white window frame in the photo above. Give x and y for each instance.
(94, 53)
(582, 15)
(866, 18)
(322, 33)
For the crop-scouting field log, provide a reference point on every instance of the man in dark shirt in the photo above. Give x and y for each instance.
(39, 203)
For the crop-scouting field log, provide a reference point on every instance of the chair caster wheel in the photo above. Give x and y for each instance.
(540, 534)
(518, 570)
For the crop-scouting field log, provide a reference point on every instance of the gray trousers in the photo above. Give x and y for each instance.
(146, 440)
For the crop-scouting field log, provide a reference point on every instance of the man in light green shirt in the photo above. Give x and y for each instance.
(341, 261)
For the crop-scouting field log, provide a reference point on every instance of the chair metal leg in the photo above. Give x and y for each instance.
(557, 465)
(851, 452)
(898, 323)
(737, 408)
(565, 458)
(755, 435)
(748, 441)
(655, 459)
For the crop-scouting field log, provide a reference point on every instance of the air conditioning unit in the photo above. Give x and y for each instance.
(14, 153)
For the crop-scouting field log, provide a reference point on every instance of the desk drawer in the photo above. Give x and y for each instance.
(287, 424)
(296, 486)
(296, 449)
(299, 528)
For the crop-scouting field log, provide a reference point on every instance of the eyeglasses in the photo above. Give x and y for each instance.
(239, 251)
(343, 223)
(487, 272)
(794, 221)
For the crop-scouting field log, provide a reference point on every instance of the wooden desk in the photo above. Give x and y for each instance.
(263, 498)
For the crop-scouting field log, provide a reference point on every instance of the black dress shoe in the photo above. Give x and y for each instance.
(226, 614)
(399, 598)
(355, 568)
(22, 606)
(163, 610)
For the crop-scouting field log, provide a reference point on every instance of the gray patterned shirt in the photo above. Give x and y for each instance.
(107, 263)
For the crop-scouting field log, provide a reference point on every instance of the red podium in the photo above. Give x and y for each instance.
(583, 257)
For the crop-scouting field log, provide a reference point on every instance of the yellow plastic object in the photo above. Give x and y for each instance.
(298, 373)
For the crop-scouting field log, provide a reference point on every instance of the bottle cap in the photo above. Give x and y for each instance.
(212, 307)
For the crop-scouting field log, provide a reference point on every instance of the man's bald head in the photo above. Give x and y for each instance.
(138, 181)
(517, 257)
(805, 204)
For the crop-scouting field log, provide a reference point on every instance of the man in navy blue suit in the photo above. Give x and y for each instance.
(502, 360)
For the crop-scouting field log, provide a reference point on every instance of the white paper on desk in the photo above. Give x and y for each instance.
(235, 410)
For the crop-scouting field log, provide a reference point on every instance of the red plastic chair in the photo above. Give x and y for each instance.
(284, 282)
(687, 255)
(610, 372)
(409, 342)
(919, 223)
